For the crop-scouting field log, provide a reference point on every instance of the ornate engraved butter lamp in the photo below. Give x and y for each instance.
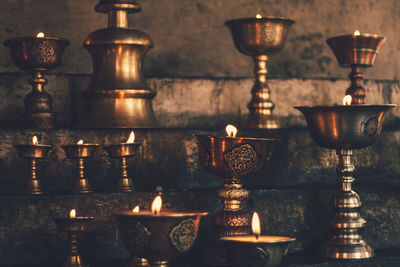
(33, 152)
(80, 152)
(118, 95)
(158, 236)
(123, 151)
(256, 250)
(37, 55)
(73, 225)
(232, 158)
(356, 51)
(345, 128)
(259, 38)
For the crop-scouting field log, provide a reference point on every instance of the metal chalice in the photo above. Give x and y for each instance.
(345, 128)
(260, 38)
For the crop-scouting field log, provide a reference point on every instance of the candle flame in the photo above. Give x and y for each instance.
(156, 206)
(80, 142)
(131, 138)
(136, 209)
(356, 33)
(347, 100)
(231, 130)
(34, 140)
(255, 225)
(40, 35)
(72, 213)
(258, 16)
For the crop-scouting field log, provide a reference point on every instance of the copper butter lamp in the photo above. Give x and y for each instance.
(33, 152)
(81, 151)
(156, 235)
(37, 55)
(356, 51)
(231, 158)
(118, 95)
(123, 151)
(73, 225)
(345, 128)
(256, 250)
(259, 38)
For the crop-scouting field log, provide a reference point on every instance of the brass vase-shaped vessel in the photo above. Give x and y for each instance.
(260, 38)
(118, 95)
(345, 128)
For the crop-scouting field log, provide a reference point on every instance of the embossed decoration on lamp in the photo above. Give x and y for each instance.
(345, 128)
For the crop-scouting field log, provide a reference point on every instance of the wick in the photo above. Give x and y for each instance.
(155, 213)
(257, 236)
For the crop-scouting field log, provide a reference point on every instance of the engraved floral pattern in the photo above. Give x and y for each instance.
(42, 52)
(183, 235)
(242, 160)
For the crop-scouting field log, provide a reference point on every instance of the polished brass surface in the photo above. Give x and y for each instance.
(158, 238)
(72, 226)
(243, 253)
(118, 95)
(33, 153)
(260, 38)
(345, 128)
(231, 158)
(37, 55)
(356, 51)
(81, 153)
(123, 151)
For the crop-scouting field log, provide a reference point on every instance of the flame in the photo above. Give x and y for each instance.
(72, 213)
(156, 206)
(80, 142)
(131, 138)
(347, 100)
(40, 35)
(136, 209)
(231, 130)
(258, 16)
(34, 140)
(255, 225)
(356, 33)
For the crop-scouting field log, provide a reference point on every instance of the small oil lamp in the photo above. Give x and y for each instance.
(157, 235)
(256, 250)
(73, 225)
(123, 151)
(37, 54)
(231, 158)
(33, 152)
(355, 51)
(260, 37)
(81, 151)
(345, 128)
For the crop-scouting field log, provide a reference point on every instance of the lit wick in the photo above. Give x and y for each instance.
(72, 213)
(231, 130)
(40, 35)
(131, 138)
(258, 16)
(357, 33)
(136, 209)
(35, 141)
(156, 205)
(80, 142)
(347, 100)
(255, 225)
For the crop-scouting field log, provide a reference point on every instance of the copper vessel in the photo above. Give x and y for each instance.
(33, 153)
(118, 95)
(356, 51)
(260, 38)
(231, 158)
(158, 238)
(122, 152)
(37, 55)
(345, 128)
(81, 152)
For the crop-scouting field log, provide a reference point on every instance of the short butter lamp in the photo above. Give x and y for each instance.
(123, 151)
(81, 151)
(156, 235)
(73, 225)
(33, 152)
(256, 250)
(356, 51)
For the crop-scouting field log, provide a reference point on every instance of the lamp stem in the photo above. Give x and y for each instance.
(356, 90)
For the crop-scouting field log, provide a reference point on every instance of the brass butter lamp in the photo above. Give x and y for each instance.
(81, 151)
(33, 152)
(356, 51)
(37, 55)
(260, 37)
(345, 128)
